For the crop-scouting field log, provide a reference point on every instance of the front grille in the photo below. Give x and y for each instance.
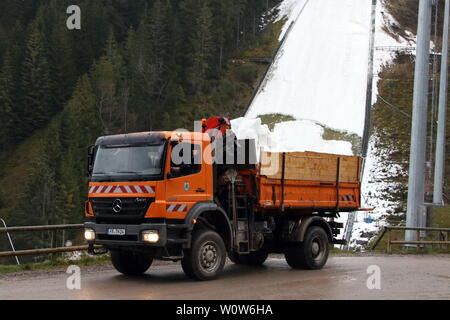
(131, 208)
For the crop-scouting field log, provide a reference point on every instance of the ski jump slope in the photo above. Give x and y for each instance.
(320, 75)
(320, 72)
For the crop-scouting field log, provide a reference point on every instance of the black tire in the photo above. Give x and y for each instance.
(235, 258)
(254, 258)
(312, 253)
(206, 258)
(131, 263)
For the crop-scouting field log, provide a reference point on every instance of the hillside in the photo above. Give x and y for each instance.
(134, 66)
(392, 112)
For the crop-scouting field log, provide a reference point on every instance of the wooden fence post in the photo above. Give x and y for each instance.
(388, 246)
(418, 239)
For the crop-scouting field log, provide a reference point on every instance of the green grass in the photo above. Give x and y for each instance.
(272, 119)
(338, 251)
(441, 217)
(56, 264)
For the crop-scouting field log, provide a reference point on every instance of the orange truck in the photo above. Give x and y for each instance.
(202, 205)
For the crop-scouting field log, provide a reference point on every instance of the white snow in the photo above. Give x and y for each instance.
(306, 135)
(290, 136)
(320, 73)
(289, 10)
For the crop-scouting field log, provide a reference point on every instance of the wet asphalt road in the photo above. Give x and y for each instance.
(343, 278)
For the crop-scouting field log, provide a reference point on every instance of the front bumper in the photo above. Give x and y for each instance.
(132, 235)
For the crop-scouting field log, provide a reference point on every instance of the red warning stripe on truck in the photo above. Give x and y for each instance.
(176, 207)
(121, 189)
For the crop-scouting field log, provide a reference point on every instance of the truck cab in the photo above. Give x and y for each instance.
(163, 195)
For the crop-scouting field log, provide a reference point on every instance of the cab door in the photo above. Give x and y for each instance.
(186, 182)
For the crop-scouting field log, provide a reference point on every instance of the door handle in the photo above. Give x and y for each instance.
(199, 190)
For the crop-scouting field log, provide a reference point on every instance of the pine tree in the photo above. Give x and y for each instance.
(197, 22)
(80, 127)
(111, 87)
(35, 87)
(203, 42)
(80, 121)
(62, 71)
(221, 23)
(151, 72)
(7, 117)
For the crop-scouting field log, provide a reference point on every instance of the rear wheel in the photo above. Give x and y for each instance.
(131, 262)
(254, 258)
(206, 258)
(312, 253)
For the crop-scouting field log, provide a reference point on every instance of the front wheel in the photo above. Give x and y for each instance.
(206, 258)
(131, 263)
(310, 254)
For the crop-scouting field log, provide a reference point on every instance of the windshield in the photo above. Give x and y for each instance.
(119, 161)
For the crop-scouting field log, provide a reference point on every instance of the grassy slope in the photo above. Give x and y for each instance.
(441, 217)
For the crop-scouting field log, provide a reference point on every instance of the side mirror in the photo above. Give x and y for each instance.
(90, 162)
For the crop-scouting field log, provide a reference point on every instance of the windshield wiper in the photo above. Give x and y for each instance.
(133, 172)
(102, 176)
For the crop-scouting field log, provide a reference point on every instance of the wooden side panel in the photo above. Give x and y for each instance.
(311, 166)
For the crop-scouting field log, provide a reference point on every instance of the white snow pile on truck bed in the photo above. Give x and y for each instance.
(291, 136)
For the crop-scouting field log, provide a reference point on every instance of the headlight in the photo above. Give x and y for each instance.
(89, 234)
(151, 236)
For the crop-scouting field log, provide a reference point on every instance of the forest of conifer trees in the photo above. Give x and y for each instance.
(134, 66)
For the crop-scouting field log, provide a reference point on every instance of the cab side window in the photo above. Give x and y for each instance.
(190, 156)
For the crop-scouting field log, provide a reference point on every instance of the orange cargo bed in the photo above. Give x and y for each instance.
(309, 181)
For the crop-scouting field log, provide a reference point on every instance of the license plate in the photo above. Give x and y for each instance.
(116, 232)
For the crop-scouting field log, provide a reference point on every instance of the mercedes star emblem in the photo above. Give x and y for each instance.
(117, 206)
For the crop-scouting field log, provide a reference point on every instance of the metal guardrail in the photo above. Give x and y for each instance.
(53, 228)
(445, 240)
(42, 251)
(43, 228)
